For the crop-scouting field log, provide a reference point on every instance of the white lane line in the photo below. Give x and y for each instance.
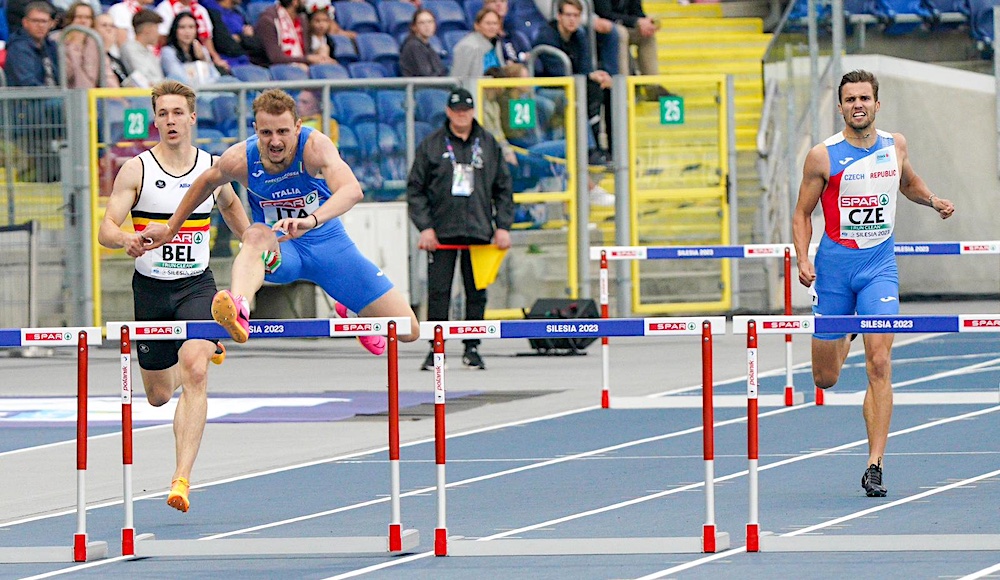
(833, 522)
(982, 573)
(73, 441)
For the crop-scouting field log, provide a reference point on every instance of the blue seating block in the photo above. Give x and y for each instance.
(449, 15)
(358, 17)
(354, 107)
(395, 16)
(288, 72)
(379, 47)
(328, 71)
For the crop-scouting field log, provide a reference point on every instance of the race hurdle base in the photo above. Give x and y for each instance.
(758, 541)
(710, 541)
(82, 549)
(398, 540)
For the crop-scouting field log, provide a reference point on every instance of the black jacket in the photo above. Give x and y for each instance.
(625, 12)
(418, 59)
(428, 189)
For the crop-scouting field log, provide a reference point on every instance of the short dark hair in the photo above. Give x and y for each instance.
(145, 16)
(574, 3)
(40, 6)
(857, 76)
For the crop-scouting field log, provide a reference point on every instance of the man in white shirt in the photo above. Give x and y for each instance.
(121, 14)
(139, 54)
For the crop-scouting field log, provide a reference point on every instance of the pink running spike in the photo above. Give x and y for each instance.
(374, 344)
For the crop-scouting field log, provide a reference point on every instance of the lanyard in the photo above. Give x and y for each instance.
(477, 153)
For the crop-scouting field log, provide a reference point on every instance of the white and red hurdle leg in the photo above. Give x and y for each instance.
(605, 349)
(441, 531)
(753, 525)
(128, 529)
(395, 524)
(789, 381)
(82, 360)
(708, 436)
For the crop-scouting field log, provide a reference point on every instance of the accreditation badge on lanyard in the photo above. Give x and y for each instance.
(462, 175)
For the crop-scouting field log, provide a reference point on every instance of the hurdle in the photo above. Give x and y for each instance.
(710, 541)
(397, 540)
(82, 550)
(756, 541)
(786, 251)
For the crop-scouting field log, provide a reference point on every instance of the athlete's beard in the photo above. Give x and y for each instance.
(283, 164)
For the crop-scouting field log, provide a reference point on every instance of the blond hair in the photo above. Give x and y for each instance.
(174, 88)
(275, 102)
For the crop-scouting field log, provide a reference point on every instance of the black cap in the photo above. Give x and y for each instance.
(460, 99)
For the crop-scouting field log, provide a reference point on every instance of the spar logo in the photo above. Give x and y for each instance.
(783, 324)
(357, 327)
(473, 329)
(157, 330)
(48, 336)
(187, 238)
(671, 326)
(981, 323)
(985, 248)
(751, 251)
(626, 254)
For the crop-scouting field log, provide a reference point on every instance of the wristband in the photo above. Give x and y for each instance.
(316, 219)
(931, 199)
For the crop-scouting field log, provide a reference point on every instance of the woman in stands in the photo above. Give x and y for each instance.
(479, 50)
(183, 57)
(83, 58)
(417, 58)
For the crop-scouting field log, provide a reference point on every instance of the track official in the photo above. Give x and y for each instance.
(459, 192)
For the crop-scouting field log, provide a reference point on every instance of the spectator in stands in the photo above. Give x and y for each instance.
(63, 5)
(139, 54)
(318, 23)
(309, 106)
(478, 51)
(112, 50)
(494, 104)
(16, 12)
(169, 9)
(32, 58)
(513, 48)
(641, 30)
(83, 58)
(232, 35)
(565, 34)
(183, 57)
(612, 39)
(122, 14)
(417, 58)
(280, 32)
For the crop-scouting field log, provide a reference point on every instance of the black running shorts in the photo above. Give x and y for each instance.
(184, 299)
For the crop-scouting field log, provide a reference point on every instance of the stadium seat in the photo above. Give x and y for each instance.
(358, 17)
(451, 38)
(328, 71)
(251, 73)
(981, 24)
(348, 145)
(430, 106)
(366, 70)
(206, 116)
(211, 140)
(377, 139)
(343, 49)
(472, 7)
(420, 131)
(225, 112)
(449, 15)
(391, 106)
(379, 47)
(254, 10)
(353, 107)
(395, 16)
(288, 72)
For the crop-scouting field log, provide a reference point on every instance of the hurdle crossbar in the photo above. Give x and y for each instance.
(710, 541)
(81, 550)
(757, 541)
(146, 545)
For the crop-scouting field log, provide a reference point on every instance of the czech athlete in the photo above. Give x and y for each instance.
(173, 281)
(298, 186)
(857, 174)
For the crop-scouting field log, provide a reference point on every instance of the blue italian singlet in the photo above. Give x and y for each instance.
(325, 255)
(856, 264)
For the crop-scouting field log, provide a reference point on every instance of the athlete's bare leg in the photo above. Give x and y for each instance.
(393, 303)
(878, 398)
(191, 373)
(248, 267)
(828, 358)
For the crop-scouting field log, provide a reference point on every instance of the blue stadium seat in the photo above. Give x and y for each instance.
(254, 10)
(348, 145)
(377, 139)
(343, 49)
(357, 16)
(902, 16)
(225, 112)
(395, 16)
(391, 106)
(430, 106)
(353, 107)
(981, 24)
(472, 7)
(379, 47)
(420, 131)
(451, 38)
(288, 72)
(366, 70)
(211, 140)
(206, 116)
(251, 73)
(449, 15)
(328, 71)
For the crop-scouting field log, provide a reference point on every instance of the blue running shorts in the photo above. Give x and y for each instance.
(336, 265)
(852, 282)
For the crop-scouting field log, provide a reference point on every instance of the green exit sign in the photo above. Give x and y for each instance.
(136, 123)
(672, 110)
(522, 113)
